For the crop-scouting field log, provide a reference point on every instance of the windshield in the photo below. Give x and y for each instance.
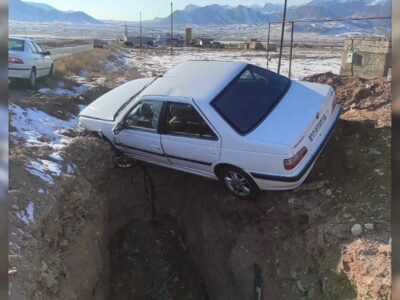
(250, 97)
(16, 45)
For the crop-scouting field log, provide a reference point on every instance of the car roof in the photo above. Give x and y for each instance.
(201, 80)
(19, 38)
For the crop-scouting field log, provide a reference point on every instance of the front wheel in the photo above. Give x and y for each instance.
(239, 183)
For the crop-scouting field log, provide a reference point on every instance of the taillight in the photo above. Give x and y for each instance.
(291, 163)
(18, 61)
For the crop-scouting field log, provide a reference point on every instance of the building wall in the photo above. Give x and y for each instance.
(371, 57)
(189, 35)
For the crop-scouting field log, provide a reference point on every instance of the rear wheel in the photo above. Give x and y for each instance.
(239, 183)
(51, 70)
(32, 79)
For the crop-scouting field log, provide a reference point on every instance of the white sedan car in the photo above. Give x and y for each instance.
(244, 125)
(27, 60)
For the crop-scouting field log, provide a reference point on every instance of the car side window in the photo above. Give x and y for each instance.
(39, 49)
(33, 48)
(183, 119)
(144, 115)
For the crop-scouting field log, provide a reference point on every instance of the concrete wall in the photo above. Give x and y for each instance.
(371, 57)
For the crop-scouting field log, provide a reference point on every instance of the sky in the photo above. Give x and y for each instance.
(129, 10)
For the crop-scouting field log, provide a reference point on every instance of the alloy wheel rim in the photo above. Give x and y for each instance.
(237, 183)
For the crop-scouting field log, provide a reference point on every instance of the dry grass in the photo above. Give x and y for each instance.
(88, 61)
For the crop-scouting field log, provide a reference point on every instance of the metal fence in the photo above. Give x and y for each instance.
(294, 22)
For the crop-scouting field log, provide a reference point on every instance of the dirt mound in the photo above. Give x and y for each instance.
(367, 265)
(361, 99)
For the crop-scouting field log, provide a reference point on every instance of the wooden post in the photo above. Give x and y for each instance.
(140, 30)
(291, 51)
(172, 25)
(282, 35)
(269, 32)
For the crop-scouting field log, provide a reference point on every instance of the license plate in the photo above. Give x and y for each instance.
(317, 127)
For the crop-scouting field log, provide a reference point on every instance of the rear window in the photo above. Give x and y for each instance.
(16, 45)
(250, 97)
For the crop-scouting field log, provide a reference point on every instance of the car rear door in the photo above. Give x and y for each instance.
(188, 140)
(140, 137)
(47, 61)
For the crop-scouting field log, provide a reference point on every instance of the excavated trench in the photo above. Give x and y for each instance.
(146, 232)
(163, 234)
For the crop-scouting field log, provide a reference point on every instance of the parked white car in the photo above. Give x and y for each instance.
(27, 60)
(244, 125)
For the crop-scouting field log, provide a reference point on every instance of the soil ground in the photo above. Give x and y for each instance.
(101, 232)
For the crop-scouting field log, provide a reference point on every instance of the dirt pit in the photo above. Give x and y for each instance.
(146, 232)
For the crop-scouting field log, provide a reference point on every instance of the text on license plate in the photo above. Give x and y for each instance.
(317, 127)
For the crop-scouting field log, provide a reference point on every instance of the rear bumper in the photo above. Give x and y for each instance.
(19, 71)
(280, 182)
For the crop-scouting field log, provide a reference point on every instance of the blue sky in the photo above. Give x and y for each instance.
(128, 10)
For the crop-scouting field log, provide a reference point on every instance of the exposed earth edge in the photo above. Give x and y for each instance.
(301, 240)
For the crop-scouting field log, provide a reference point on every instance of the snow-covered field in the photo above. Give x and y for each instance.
(306, 61)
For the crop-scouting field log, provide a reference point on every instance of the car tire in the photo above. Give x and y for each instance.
(32, 79)
(51, 70)
(238, 183)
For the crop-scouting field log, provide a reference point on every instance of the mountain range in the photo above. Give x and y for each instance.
(225, 15)
(39, 12)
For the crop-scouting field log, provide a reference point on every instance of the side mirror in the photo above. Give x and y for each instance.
(46, 53)
(117, 128)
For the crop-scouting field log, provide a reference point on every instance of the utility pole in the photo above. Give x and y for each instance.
(282, 34)
(291, 50)
(269, 33)
(140, 30)
(172, 25)
(126, 30)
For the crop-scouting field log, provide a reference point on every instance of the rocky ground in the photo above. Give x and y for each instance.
(81, 228)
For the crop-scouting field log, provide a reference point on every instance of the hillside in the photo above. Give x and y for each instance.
(38, 12)
(255, 15)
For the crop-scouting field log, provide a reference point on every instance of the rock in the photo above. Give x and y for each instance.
(374, 151)
(369, 226)
(14, 206)
(316, 185)
(328, 192)
(175, 280)
(300, 286)
(347, 215)
(361, 93)
(64, 243)
(356, 230)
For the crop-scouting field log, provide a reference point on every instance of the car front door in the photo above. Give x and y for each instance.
(38, 60)
(188, 141)
(140, 137)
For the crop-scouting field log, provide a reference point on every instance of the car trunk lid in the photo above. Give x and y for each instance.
(304, 106)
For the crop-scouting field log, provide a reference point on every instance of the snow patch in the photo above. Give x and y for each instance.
(27, 216)
(154, 63)
(44, 169)
(37, 128)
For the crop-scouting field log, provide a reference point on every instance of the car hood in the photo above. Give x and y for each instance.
(295, 114)
(106, 107)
